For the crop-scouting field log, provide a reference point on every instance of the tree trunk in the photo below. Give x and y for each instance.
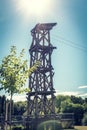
(10, 111)
(6, 114)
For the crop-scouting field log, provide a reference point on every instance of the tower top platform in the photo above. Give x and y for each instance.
(43, 26)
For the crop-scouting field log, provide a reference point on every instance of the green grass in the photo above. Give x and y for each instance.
(76, 128)
(50, 125)
(80, 127)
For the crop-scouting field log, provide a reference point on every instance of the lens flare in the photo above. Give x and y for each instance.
(34, 7)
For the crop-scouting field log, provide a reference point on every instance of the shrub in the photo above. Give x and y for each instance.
(50, 125)
(67, 124)
(17, 128)
(84, 120)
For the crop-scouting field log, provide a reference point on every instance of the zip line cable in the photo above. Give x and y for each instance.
(70, 43)
(73, 46)
(76, 44)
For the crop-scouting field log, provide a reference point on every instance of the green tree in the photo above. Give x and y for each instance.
(59, 100)
(84, 120)
(85, 100)
(72, 104)
(66, 107)
(14, 72)
(77, 100)
(20, 108)
(77, 109)
(85, 107)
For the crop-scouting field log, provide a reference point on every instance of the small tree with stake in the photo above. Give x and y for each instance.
(14, 72)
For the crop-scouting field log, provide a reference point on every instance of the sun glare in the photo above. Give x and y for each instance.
(34, 7)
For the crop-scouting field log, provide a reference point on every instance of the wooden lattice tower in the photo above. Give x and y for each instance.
(41, 97)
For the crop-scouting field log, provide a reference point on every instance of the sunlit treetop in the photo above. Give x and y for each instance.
(14, 72)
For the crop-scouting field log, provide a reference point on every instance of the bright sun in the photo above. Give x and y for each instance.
(34, 7)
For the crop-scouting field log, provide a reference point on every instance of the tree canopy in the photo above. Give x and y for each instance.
(14, 72)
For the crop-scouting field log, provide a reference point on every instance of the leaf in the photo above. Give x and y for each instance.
(14, 72)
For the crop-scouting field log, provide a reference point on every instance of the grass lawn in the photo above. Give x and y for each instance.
(80, 127)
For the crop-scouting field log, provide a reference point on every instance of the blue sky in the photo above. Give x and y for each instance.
(69, 36)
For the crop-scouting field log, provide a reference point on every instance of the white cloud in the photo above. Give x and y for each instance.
(66, 93)
(71, 93)
(83, 95)
(82, 87)
(17, 98)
